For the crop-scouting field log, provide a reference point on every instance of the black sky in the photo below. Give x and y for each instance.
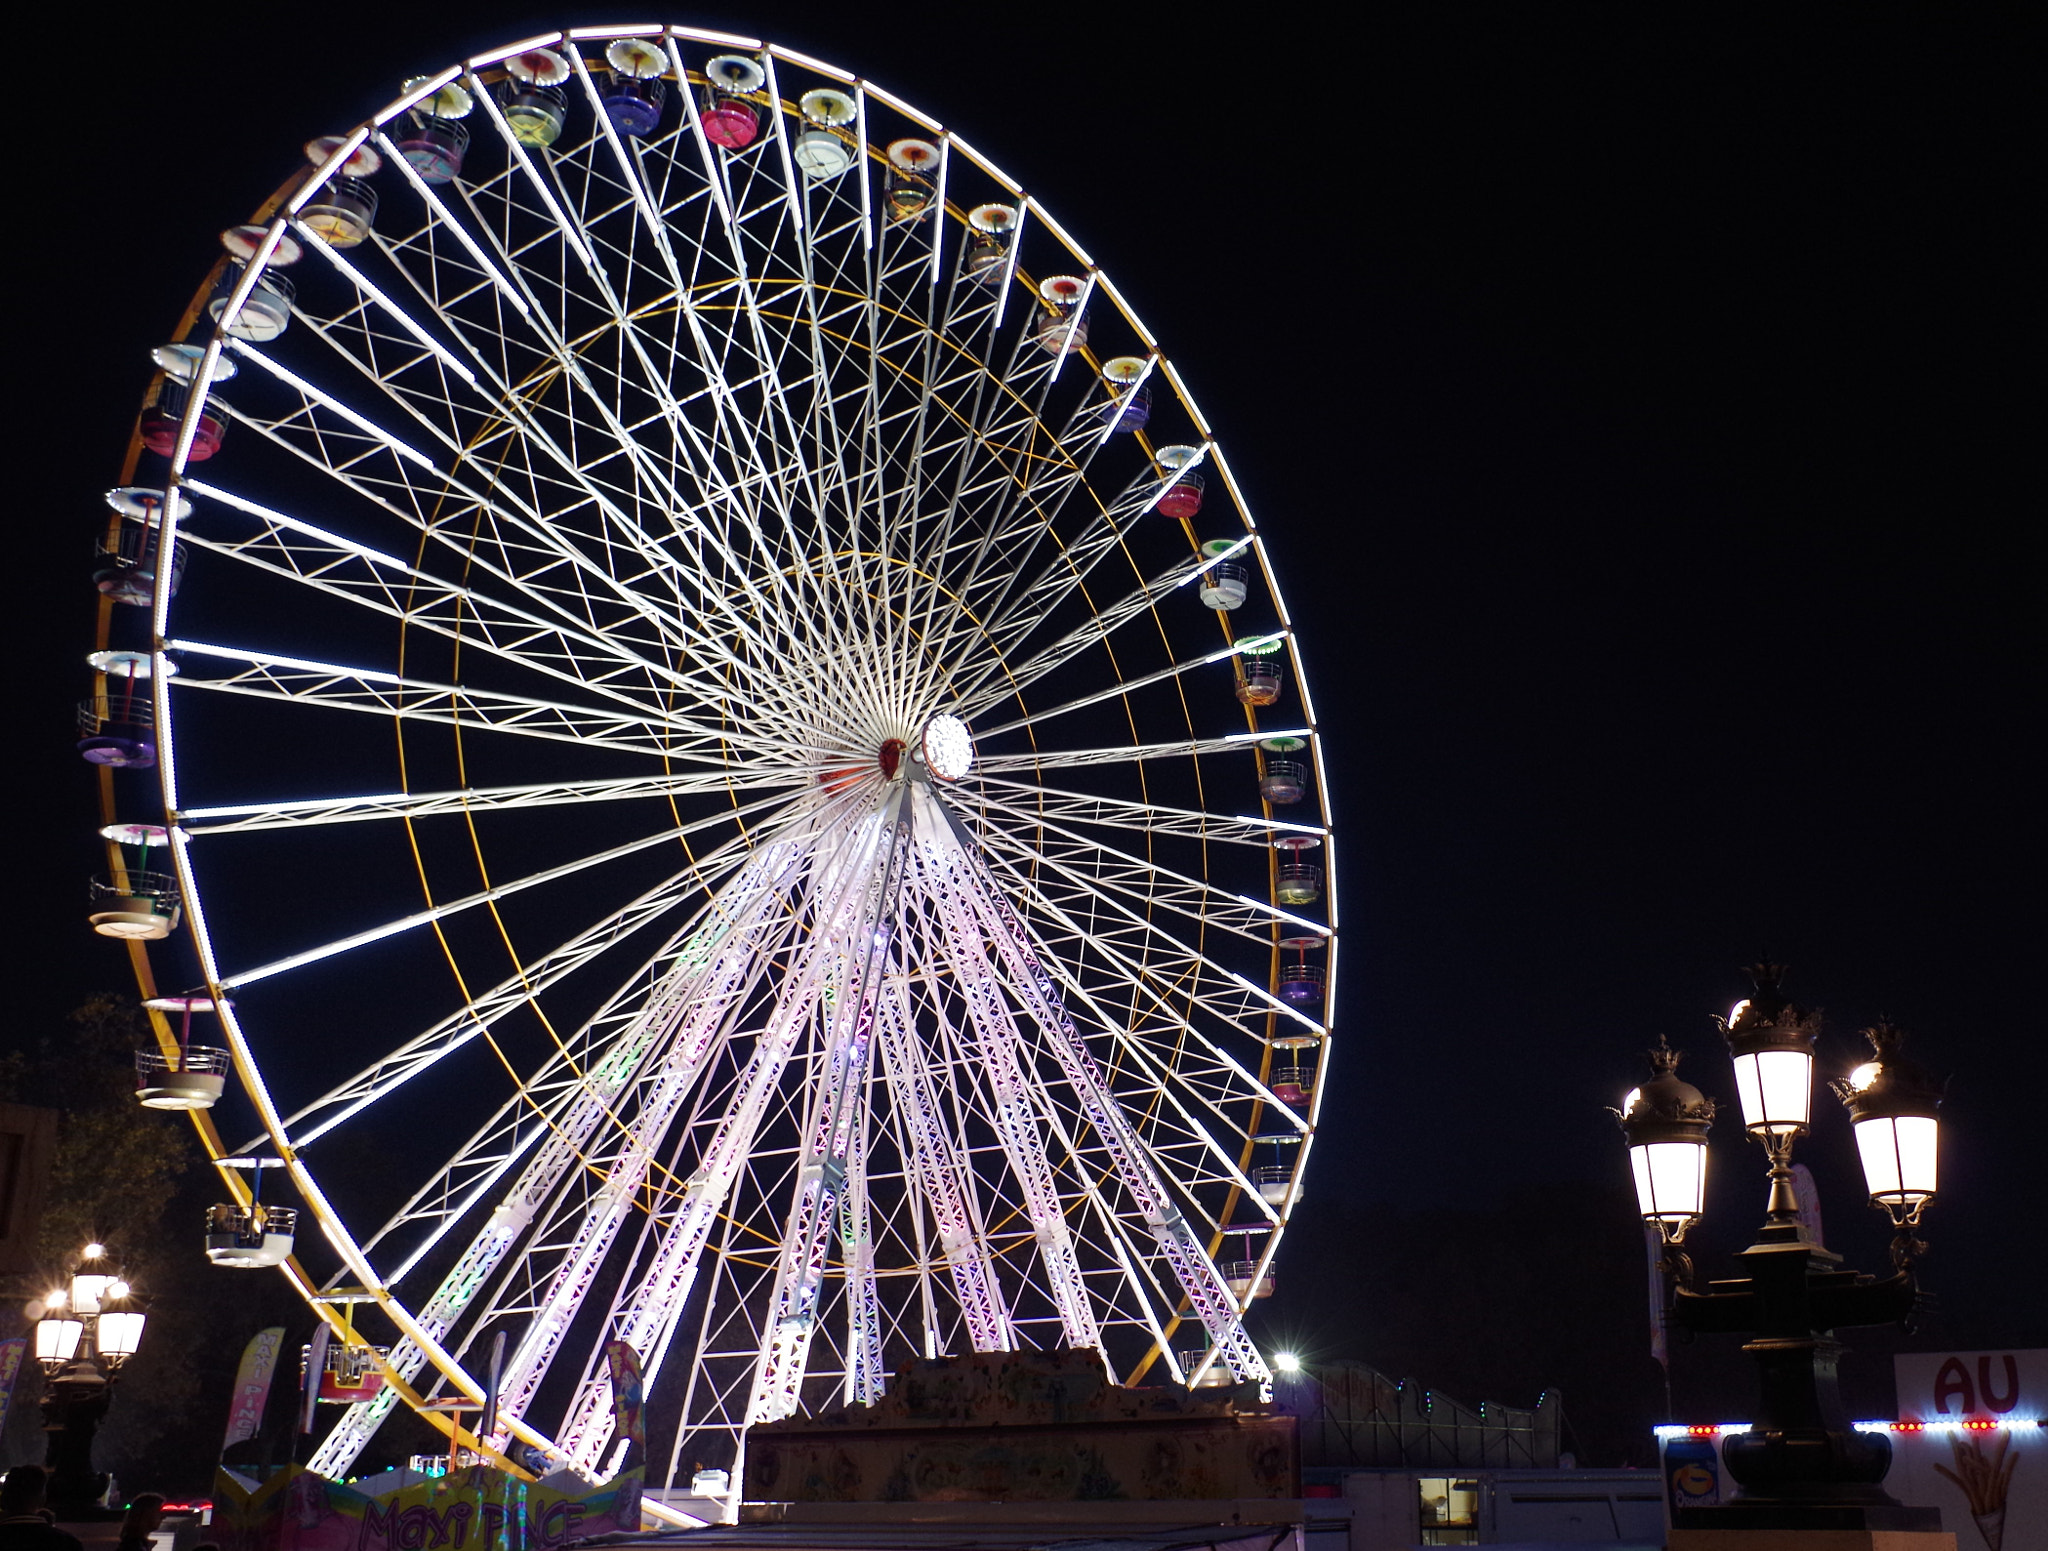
(1637, 404)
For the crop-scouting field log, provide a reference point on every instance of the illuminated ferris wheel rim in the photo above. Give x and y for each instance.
(945, 744)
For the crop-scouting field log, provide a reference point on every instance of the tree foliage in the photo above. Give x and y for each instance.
(117, 1165)
(116, 1171)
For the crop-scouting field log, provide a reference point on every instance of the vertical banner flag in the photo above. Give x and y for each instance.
(316, 1364)
(1660, 1315)
(1807, 1195)
(624, 1364)
(11, 1354)
(252, 1385)
(488, 1423)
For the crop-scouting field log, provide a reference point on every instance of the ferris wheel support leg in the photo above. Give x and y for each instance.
(828, 1150)
(1015, 1119)
(866, 1378)
(712, 968)
(1197, 1274)
(654, 1028)
(600, 1220)
(938, 1172)
(644, 1314)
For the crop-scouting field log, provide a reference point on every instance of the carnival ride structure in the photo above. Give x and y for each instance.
(686, 683)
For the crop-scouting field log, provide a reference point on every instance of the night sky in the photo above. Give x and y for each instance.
(1632, 400)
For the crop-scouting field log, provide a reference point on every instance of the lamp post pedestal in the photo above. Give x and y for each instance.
(1808, 1481)
(1803, 1466)
(75, 1401)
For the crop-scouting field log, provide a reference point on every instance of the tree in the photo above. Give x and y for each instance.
(117, 1165)
(114, 1177)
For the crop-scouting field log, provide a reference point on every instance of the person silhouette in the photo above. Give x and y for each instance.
(25, 1524)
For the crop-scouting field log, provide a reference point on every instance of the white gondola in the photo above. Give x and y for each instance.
(131, 900)
(267, 312)
(250, 1237)
(433, 139)
(343, 211)
(1224, 584)
(1062, 318)
(821, 149)
(1296, 879)
(1245, 1280)
(186, 1076)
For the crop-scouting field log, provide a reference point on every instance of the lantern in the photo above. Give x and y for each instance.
(1666, 1122)
(1892, 1104)
(1771, 1042)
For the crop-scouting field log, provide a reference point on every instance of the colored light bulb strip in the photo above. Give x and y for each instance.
(1944, 1425)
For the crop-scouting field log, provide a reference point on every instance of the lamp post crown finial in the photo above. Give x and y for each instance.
(1767, 1016)
(1891, 1082)
(1767, 1000)
(1667, 1096)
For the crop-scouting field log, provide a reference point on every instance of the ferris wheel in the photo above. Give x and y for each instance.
(685, 681)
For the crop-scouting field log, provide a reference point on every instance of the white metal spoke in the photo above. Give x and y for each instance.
(1105, 869)
(646, 1323)
(1152, 956)
(540, 631)
(313, 812)
(446, 1035)
(829, 1145)
(1066, 759)
(1129, 686)
(333, 686)
(1028, 802)
(569, 1123)
(419, 918)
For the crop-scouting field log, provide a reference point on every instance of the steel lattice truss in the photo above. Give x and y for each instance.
(633, 495)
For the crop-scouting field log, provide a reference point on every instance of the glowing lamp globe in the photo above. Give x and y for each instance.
(1770, 1041)
(948, 748)
(57, 1341)
(118, 1335)
(1666, 1122)
(1893, 1106)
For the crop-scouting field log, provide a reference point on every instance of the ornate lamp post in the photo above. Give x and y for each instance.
(88, 1330)
(1802, 1465)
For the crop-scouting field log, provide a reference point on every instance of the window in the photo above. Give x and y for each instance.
(1449, 1510)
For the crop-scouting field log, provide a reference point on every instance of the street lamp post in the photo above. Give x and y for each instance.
(88, 1330)
(1802, 1465)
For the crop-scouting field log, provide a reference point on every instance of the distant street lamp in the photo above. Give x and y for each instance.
(1801, 1466)
(88, 1330)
